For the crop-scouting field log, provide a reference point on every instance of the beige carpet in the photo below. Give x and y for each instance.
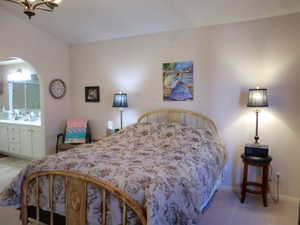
(9, 168)
(225, 209)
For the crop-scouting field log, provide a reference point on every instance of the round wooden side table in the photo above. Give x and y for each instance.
(264, 186)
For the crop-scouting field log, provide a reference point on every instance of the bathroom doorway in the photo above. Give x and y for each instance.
(21, 133)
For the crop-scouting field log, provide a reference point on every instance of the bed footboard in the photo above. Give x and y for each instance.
(76, 198)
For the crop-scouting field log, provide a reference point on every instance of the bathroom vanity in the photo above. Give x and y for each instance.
(21, 138)
(20, 111)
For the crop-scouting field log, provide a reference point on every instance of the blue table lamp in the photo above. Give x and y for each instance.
(120, 101)
(258, 98)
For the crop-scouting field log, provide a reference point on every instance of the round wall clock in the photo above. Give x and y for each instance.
(57, 88)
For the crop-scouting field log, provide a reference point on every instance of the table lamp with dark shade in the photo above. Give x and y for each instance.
(120, 101)
(258, 98)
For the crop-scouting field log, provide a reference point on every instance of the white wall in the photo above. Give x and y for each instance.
(228, 59)
(50, 59)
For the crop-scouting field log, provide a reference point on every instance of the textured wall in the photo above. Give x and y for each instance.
(228, 59)
(49, 57)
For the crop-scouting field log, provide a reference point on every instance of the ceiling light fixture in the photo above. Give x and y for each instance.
(19, 75)
(31, 6)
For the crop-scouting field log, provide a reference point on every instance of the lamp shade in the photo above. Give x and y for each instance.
(258, 97)
(120, 100)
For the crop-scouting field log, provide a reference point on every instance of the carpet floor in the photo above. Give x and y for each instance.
(225, 208)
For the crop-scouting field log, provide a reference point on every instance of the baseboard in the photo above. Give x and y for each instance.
(288, 198)
(285, 198)
(228, 188)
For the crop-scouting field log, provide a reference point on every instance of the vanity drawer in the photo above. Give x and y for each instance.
(14, 147)
(13, 134)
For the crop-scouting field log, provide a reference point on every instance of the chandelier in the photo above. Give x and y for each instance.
(31, 6)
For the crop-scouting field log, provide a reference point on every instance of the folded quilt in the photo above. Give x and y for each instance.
(76, 131)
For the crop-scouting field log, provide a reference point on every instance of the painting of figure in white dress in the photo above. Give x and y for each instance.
(178, 83)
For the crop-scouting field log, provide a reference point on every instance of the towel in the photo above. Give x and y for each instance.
(76, 131)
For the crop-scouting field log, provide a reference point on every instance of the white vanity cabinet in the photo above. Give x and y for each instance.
(21, 140)
(31, 142)
(3, 138)
(13, 133)
(26, 140)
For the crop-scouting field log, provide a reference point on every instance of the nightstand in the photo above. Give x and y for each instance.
(263, 162)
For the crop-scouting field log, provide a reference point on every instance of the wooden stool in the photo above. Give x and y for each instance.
(264, 186)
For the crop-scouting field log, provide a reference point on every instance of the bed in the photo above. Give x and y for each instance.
(163, 170)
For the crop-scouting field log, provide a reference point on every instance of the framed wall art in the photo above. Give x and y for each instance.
(92, 94)
(178, 81)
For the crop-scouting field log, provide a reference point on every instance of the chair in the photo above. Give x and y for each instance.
(61, 144)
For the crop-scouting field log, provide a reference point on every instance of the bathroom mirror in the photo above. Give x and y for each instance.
(19, 89)
(25, 94)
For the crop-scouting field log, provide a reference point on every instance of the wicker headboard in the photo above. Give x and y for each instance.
(189, 118)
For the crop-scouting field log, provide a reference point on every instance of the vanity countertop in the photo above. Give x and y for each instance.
(22, 122)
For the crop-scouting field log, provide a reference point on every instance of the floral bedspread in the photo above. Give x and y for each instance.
(168, 168)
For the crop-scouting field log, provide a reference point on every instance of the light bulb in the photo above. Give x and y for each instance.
(19, 75)
(57, 2)
(258, 97)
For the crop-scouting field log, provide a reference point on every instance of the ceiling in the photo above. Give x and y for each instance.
(82, 21)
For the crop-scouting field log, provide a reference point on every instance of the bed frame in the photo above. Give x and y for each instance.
(189, 118)
(76, 183)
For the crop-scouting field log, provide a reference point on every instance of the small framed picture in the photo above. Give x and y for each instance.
(92, 94)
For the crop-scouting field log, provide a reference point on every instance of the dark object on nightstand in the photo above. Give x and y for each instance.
(256, 150)
(263, 162)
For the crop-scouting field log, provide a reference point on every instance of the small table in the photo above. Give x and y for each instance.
(264, 186)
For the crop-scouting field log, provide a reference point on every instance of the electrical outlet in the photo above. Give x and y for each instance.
(226, 168)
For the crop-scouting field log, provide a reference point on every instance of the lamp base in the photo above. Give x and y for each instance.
(121, 118)
(256, 138)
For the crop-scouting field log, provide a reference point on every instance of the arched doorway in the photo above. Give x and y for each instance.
(21, 111)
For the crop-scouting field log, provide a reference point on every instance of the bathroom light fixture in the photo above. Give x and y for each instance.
(31, 6)
(19, 75)
(257, 98)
